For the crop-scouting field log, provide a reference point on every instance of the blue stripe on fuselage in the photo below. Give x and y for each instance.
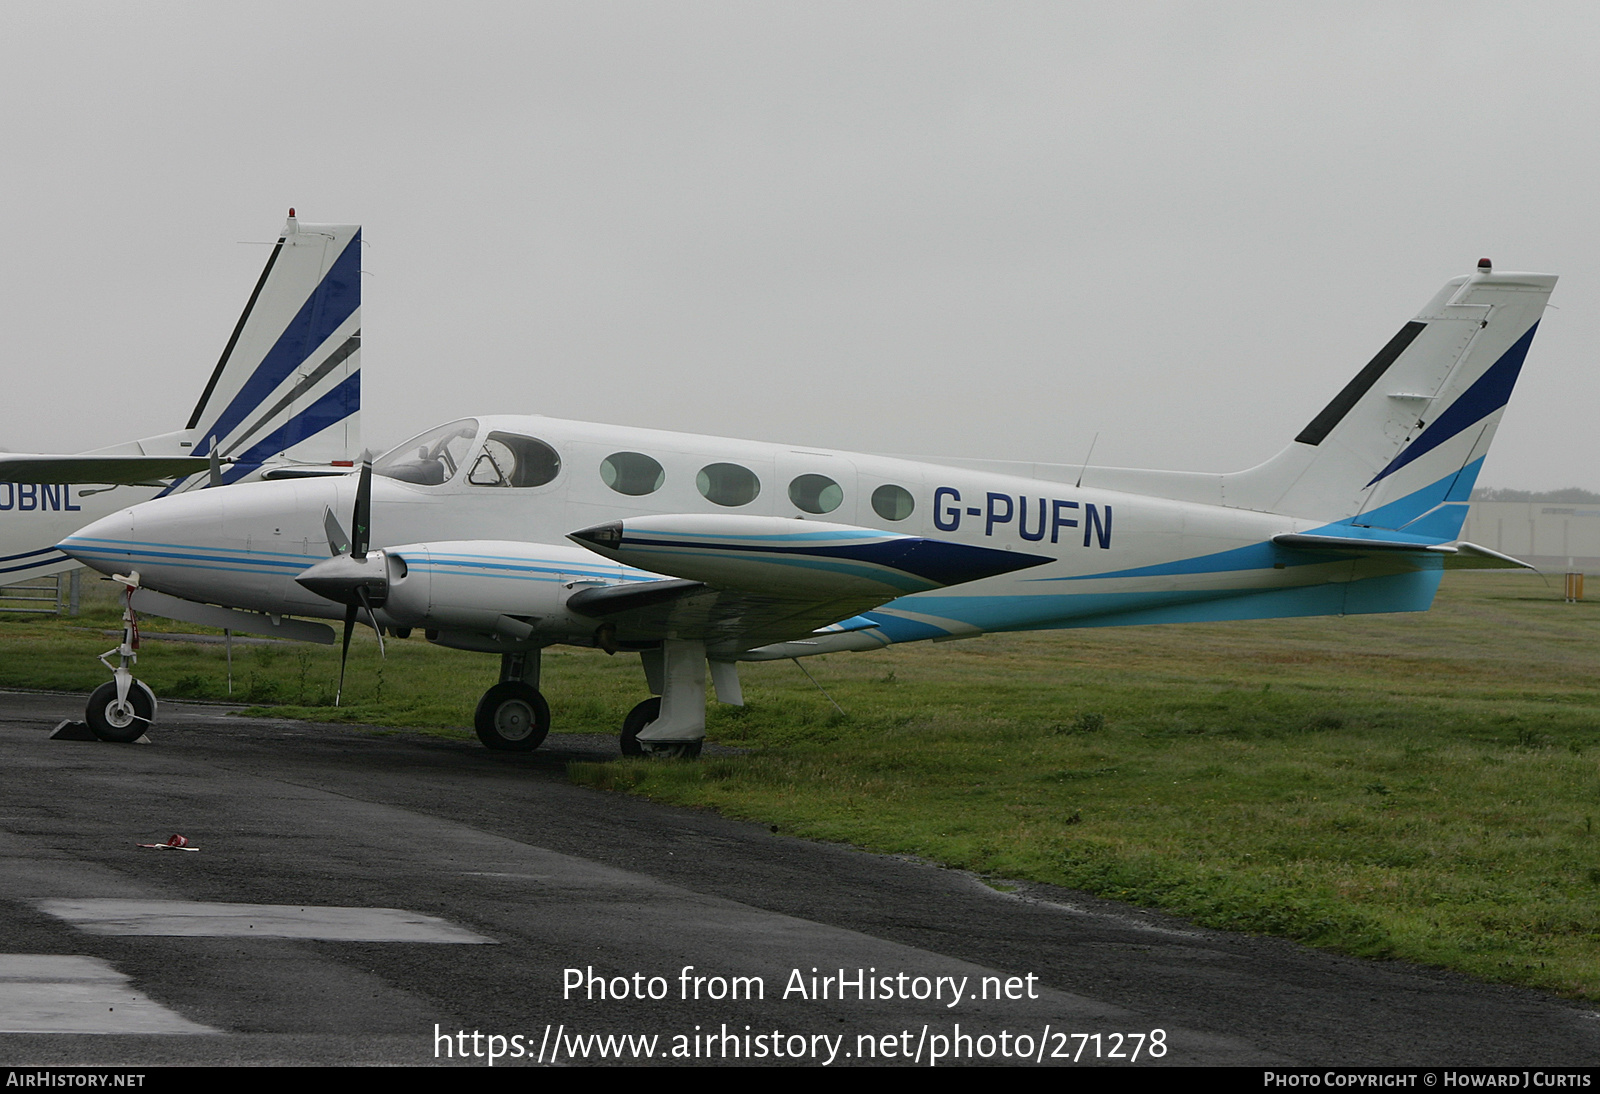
(1387, 522)
(1404, 592)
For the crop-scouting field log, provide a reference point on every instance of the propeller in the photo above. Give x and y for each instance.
(351, 577)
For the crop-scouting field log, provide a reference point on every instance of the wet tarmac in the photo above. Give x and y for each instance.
(364, 895)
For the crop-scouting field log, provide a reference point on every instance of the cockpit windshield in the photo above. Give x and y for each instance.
(429, 458)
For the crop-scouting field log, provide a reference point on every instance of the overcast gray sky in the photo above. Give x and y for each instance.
(976, 229)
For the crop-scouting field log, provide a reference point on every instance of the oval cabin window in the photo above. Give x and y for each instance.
(632, 473)
(892, 502)
(727, 484)
(815, 493)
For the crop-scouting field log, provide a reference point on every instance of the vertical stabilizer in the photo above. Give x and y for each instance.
(1400, 447)
(288, 387)
(285, 394)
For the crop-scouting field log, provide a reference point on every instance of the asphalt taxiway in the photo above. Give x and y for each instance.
(359, 894)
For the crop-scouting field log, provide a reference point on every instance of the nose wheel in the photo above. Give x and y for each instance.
(121, 721)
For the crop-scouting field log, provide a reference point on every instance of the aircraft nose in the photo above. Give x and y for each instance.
(107, 545)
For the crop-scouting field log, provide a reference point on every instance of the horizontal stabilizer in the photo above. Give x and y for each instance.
(1356, 543)
(122, 470)
(1457, 556)
(1470, 556)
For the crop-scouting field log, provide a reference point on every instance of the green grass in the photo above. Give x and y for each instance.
(1417, 786)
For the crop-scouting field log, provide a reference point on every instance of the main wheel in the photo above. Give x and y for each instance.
(512, 717)
(641, 716)
(120, 722)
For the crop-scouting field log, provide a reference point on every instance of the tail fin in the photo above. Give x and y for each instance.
(1401, 446)
(288, 385)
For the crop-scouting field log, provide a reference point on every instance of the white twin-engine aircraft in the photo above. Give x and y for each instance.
(284, 399)
(507, 534)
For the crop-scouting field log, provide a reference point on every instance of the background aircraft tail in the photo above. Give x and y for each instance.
(287, 389)
(284, 399)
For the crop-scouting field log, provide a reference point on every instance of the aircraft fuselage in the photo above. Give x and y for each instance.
(1112, 554)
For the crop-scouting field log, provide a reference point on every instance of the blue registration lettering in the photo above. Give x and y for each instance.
(8, 492)
(1057, 521)
(996, 517)
(1022, 520)
(946, 519)
(50, 494)
(27, 496)
(1092, 526)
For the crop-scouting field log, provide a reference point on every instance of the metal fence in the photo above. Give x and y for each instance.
(55, 595)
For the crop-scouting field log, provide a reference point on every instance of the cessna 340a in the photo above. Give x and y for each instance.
(507, 534)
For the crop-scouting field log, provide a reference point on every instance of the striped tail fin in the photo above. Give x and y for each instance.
(287, 387)
(1400, 447)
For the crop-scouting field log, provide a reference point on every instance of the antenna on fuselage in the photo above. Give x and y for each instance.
(1086, 456)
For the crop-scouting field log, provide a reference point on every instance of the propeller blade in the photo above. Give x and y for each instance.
(366, 602)
(349, 625)
(338, 542)
(361, 519)
(216, 464)
(342, 577)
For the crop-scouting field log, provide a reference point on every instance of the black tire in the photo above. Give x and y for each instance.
(641, 716)
(122, 725)
(512, 717)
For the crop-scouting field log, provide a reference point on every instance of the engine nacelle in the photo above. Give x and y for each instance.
(504, 591)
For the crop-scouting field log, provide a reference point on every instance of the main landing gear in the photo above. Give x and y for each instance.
(512, 716)
(673, 723)
(641, 716)
(121, 709)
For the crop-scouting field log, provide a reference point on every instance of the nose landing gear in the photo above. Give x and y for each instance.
(121, 709)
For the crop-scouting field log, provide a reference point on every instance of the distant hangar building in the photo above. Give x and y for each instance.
(1556, 536)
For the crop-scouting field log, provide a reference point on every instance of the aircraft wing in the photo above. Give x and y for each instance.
(644, 613)
(733, 583)
(741, 582)
(123, 470)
